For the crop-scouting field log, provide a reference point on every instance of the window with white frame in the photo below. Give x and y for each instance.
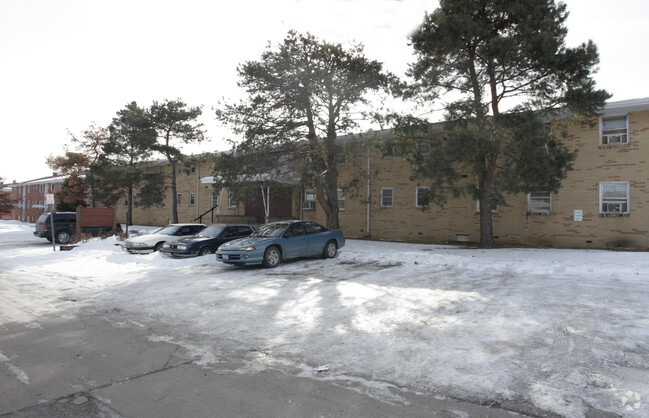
(422, 197)
(493, 200)
(40, 187)
(539, 202)
(341, 199)
(614, 197)
(232, 201)
(192, 168)
(192, 198)
(309, 200)
(614, 130)
(179, 198)
(215, 200)
(387, 197)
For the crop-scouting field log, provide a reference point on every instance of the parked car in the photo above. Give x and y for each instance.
(149, 243)
(207, 241)
(65, 226)
(278, 241)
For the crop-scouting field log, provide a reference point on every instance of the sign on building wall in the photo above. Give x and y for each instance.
(578, 216)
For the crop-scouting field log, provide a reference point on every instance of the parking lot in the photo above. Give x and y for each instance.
(532, 331)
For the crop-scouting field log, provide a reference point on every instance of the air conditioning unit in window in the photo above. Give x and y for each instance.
(308, 205)
(614, 139)
(613, 207)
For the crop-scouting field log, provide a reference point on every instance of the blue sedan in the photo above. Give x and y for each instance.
(277, 241)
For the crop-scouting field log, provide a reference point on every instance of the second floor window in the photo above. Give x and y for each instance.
(614, 130)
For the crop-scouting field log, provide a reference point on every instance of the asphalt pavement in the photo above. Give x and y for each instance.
(86, 366)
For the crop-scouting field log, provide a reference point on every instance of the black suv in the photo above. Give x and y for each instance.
(65, 225)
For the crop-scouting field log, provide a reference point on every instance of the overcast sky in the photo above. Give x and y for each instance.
(67, 63)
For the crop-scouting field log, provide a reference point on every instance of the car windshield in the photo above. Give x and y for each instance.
(270, 230)
(168, 230)
(212, 231)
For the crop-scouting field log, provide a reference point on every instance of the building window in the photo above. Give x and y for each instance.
(136, 200)
(215, 200)
(161, 170)
(192, 168)
(493, 200)
(40, 187)
(614, 197)
(232, 201)
(423, 197)
(539, 202)
(309, 200)
(51, 186)
(341, 199)
(423, 147)
(192, 199)
(179, 198)
(387, 196)
(340, 158)
(614, 130)
(125, 200)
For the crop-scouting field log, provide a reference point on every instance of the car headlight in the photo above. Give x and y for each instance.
(165, 245)
(139, 244)
(181, 247)
(248, 249)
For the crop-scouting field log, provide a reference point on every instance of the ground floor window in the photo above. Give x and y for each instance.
(341, 199)
(192, 199)
(387, 197)
(179, 198)
(614, 197)
(309, 200)
(539, 202)
(422, 197)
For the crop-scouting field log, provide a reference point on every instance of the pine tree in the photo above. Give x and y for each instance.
(507, 68)
(301, 95)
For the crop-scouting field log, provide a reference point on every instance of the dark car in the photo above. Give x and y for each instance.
(65, 225)
(207, 241)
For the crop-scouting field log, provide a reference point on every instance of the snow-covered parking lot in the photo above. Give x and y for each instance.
(561, 330)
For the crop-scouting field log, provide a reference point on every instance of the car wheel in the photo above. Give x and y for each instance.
(330, 249)
(63, 237)
(272, 257)
(205, 251)
(158, 246)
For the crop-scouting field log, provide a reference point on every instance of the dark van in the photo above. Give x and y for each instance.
(65, 225)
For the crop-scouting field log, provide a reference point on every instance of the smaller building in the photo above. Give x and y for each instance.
(30, 197)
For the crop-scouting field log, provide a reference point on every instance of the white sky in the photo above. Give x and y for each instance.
(68, 63)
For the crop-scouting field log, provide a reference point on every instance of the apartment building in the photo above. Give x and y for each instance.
(30, 197)
(603, 202)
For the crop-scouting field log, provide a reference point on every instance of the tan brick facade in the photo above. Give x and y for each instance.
(365, 216)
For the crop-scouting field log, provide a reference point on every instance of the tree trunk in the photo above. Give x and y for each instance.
(129, 212)
(486, 226)
(174, 200)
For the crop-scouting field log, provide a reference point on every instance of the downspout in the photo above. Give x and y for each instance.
(368, 204)
(24, 204)
(198, 181)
